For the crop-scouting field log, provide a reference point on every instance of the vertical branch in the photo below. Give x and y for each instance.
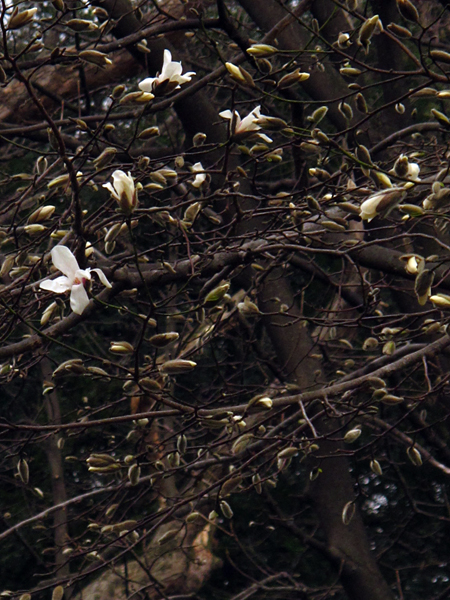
(55, 462)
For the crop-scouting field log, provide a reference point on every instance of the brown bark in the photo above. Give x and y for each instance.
(326, 85)
(55, 462)
(181, 566)
(61, 83)
(347, 545)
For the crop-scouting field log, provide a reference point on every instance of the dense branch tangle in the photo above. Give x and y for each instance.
(223, 302)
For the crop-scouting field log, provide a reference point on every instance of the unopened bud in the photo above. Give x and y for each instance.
(346, 110)
(192, 517)
(352, 435)
(361, 103)
(287, 453)
(422, 285)
(118, 92)
(150, 385)
(391, 400)
(148, 133)
(163, 339)
(349, 71)
(105, 158)
(95, 57)
(137, 98)
(34, 229)
(376, 467)
(19, 19)
(399, 31)
(318, 114)
(367, 30)
(226, 509)
(217, 293)
(256, 480)
(41, 165)
(121, 348)
(23, 471)
(408, 10)
(182, 444)
(293, 78)
(344, 40)
(265, 402)
(240, 75)
(440, 117)
(177, 366)
(169, 535)
(58, 593)
(348, 512)
(198, 139)
(41, 214)
(414, 456)
(441, 300)
(261, 50)
(48, 313)
(134, 472)
(81, 25)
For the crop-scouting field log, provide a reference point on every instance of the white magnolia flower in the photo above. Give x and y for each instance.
(170, 78)
(73, 279)
(413, 171)
(413, 265)
(200, 177)
(381, 202)
(123, 190)
(248, 125)
(404, 168)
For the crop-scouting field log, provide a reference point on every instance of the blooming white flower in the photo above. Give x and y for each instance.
(73, 279)
(247, 126)
(170, 78)
(413, 171)
(413, 265)
(381, 202)
(123, 190)
(200, 177)
(403, 168)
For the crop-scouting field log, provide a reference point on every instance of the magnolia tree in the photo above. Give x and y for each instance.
(224, 357)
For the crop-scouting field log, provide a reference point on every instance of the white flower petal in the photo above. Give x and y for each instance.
(110, 188)
(167, 59)
(249, 122)
(81, 274)
(200, 177)
(78, 299)
(265, 137)
(226, 114)
(57, 286)
(123, 190)
(413, 171)
(186, 77)
(171, 71)
(119, 182)
(65, 261)
(102, 277)
(147, 84)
